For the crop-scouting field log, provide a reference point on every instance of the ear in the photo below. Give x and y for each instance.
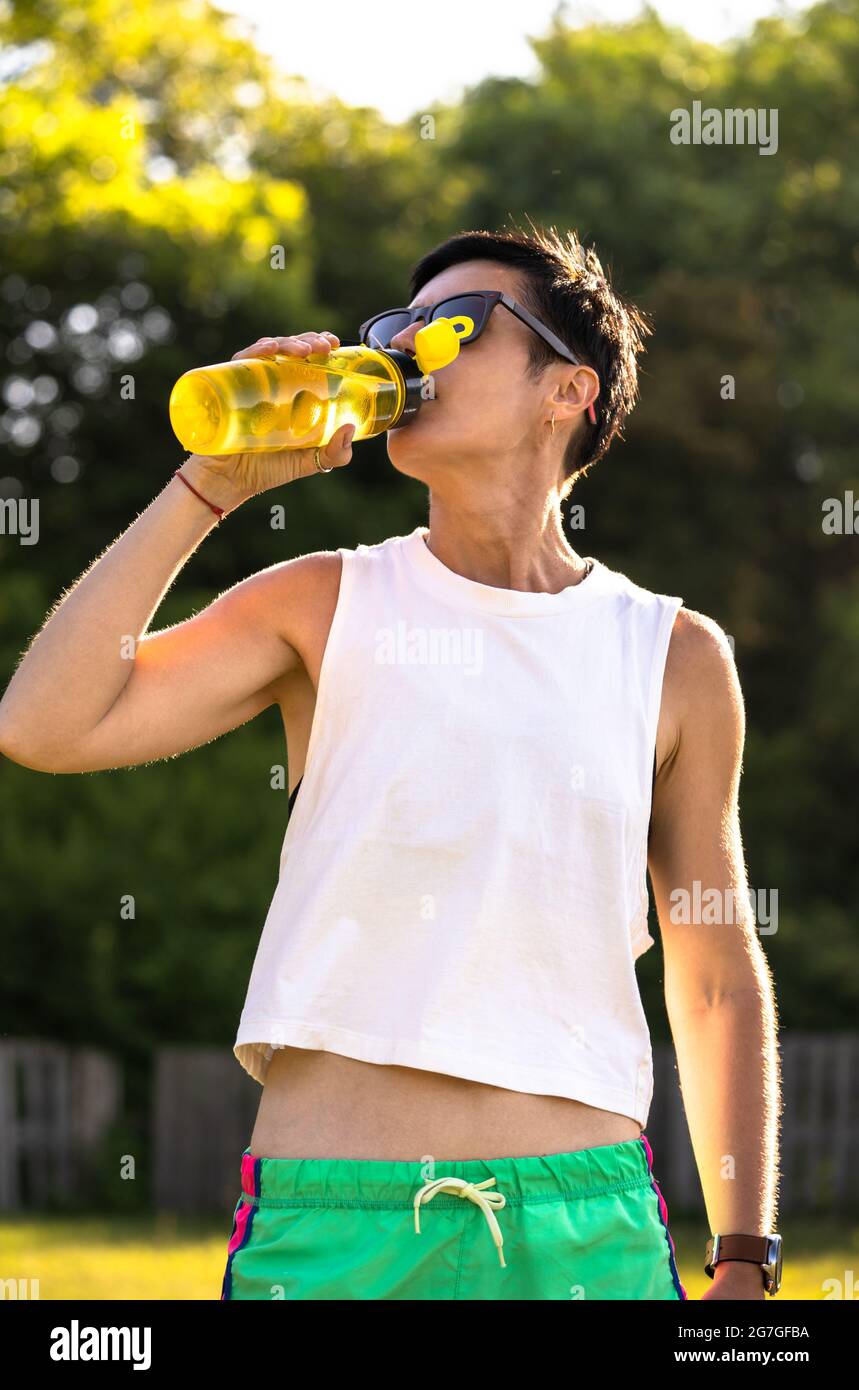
(575, 392)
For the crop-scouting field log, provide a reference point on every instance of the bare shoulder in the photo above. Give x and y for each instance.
(295, 592)
(702, 697)
(304, 572)
(289, 584)
(699, 652)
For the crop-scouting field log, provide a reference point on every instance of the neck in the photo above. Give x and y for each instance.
(510, 547)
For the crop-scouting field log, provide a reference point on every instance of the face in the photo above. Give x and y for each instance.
(486, 408)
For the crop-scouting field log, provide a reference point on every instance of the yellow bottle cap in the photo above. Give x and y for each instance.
(437, 343)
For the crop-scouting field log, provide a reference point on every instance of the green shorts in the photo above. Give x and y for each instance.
(591, 1224)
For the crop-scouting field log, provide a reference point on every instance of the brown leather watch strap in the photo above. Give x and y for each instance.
(751, 1249)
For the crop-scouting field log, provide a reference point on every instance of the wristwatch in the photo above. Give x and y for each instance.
(756, 1250)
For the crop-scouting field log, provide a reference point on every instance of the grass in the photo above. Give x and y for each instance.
(155, 1257)
(174, 1258)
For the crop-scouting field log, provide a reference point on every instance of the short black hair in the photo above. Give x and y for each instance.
(566, 287)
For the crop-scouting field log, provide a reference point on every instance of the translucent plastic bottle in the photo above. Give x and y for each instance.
(260, 404)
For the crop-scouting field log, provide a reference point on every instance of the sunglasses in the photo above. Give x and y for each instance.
(477, 306)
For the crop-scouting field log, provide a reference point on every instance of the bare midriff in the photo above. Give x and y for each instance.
(323, 1105)
(318, 1104)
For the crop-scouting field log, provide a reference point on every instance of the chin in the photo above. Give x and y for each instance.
(410, 461)
(417, 450)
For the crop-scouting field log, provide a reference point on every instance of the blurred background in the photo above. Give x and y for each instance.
(151, 158)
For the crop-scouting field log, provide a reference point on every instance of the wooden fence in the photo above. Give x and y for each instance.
(203, 1117)
(55, 1103)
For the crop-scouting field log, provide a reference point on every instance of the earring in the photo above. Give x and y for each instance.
(553, 422)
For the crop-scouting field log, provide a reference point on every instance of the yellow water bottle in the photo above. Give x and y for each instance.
(262, 404)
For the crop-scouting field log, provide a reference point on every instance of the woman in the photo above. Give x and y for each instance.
(489, 739)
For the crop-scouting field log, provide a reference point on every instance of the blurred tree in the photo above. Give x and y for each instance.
(151, 161)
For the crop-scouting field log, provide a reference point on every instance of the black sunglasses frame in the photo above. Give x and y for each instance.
(490, 298)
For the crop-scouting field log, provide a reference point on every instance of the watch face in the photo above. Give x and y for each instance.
(773, 1265)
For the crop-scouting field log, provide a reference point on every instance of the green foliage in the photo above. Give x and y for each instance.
(151, 159)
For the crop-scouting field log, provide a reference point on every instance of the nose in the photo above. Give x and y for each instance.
(404, 341)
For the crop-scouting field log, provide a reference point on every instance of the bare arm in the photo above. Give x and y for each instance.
(96, 690)
(718, 989)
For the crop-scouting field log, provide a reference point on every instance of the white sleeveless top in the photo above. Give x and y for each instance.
(462, 882)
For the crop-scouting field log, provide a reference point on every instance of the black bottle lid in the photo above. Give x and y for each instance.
(413, 380)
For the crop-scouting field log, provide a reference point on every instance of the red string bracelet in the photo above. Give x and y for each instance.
(219, 511)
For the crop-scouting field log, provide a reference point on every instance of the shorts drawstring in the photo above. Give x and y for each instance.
(472, 1190)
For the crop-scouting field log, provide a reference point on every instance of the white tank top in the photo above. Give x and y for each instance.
(462, 882)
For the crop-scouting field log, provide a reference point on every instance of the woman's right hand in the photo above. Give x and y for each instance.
(230, 479)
